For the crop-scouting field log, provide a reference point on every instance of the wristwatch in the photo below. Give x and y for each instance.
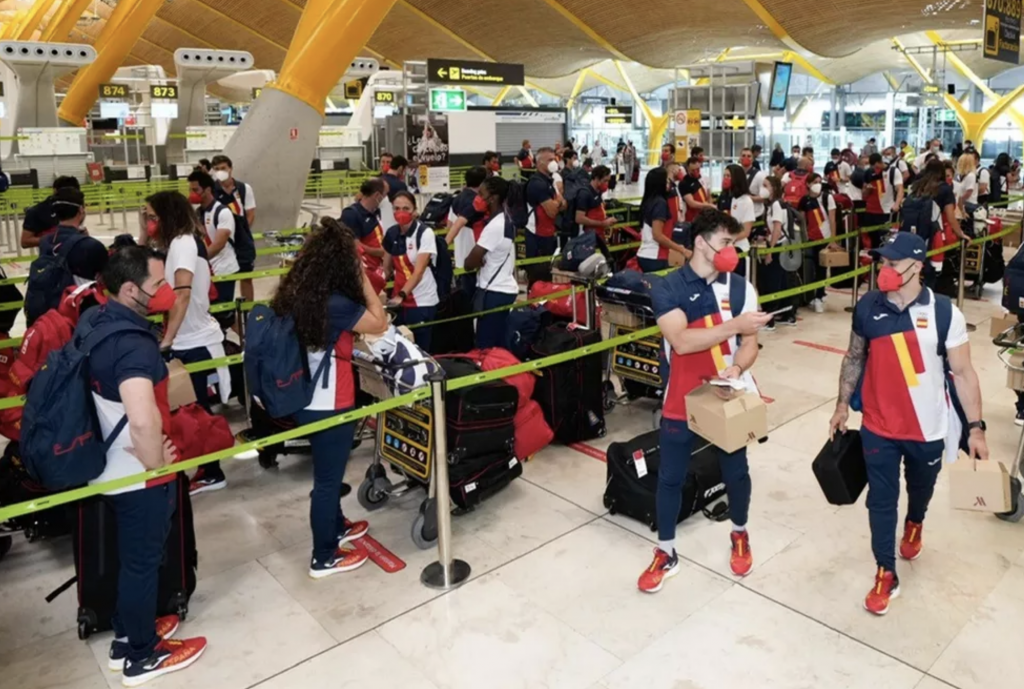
(977, 424)
(403, 295)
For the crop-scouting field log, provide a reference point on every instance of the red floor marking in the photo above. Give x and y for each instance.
(824, 348)
(381, 556)
(589, 451)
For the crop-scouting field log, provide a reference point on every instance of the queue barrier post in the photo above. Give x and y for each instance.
(752, 265)
(961, 278)
(855, 262)
(871, 276)
(241, 341)
(448, 572)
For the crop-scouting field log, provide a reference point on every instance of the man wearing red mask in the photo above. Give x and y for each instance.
(903, 337)
(704, 310)
(219, 225)
(590, 214)
(668, 154)
(492, 163)
(385, 162)
(694, 194)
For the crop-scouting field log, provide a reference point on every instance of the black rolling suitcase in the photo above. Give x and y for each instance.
(261, 425)
(455, 336)
(480, 419)
(633, 481)
(97, 563)
(572, 393)
(17, 486)
(840, 468)
(474, 480)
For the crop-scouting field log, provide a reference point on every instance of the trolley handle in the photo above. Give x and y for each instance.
(1011, 338)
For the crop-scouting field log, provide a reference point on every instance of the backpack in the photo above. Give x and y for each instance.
(61, 440)
(995, 186)
(796, 189)
(435, 213)
(578, 250)
(515, 203)
(857, 177)
(791, 260)
(522, 329)
(917, 217)
(1013, 284)
(566, 220)
(243, 243)
(277, 365)
(441, 266)
(49, 276)
(5, 182)
(751, 174)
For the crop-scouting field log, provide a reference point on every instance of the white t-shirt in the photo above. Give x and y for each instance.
(778, 214)
(755, 192)
(889, 196)
(985, 177)
(846, 184)
(425, 293)
(743, 211)
(220, 218)
(198, 328)
(498, 273)
(969, 186)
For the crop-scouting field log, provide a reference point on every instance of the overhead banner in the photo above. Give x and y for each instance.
(687, 129)
(618, 114)
(1002, 30)
(441, 71)
(529, 117)
(427, 143)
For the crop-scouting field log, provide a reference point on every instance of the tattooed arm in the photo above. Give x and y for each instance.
(852, 369)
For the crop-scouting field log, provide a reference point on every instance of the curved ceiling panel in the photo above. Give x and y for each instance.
(533, 33)
(403, 36)
(219, 27)
(673, 33)
(839, 28)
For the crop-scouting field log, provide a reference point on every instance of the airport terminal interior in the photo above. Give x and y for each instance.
(619, 199)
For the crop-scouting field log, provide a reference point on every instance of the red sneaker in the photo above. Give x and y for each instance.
(170, 655)
(352, 531)
(165, 628)
(911, 545)
(887, 587)
(344, 560)
(663, 567)
(741, 559)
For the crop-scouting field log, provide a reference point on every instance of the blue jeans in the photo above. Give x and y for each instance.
(200, 383)
(490, 329)
(143, 522)
(411, 315)
(676, 449)
(540, 246)
(331, 449)
(922, 463)
(652, 265)
(467, 283)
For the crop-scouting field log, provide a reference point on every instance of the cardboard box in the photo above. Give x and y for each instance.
(833, 259)
(564, 277)
(979, 486)
(729, 419)
(179, 386)
(999, 325)
(1015, 378)
(620, 315)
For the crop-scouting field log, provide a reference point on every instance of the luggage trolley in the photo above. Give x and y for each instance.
(1010, 339)
(638, 364)
(404, 440)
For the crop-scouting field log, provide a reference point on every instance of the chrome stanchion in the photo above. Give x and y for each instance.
(855, 288)
(752, 265)
(241, 341)
(871, 278)
(447, 572)
(961, 279)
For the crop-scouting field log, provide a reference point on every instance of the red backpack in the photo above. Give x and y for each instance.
(796, 188)
(50, 332)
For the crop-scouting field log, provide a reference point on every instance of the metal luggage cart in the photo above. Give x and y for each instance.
(639, 361)
(404, 440)
(1009, 340)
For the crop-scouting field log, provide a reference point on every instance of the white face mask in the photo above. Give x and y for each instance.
(221, 175)
(887, 159)
(552, 167)
(766, 193)
(576, 162)
(815, 189)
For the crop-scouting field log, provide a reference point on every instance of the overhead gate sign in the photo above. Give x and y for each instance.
(1002, 30)
(440, 71)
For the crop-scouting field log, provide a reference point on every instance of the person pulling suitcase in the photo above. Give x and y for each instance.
(709, 319)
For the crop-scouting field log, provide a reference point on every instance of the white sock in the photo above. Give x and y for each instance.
(668, 547)
(738, 529)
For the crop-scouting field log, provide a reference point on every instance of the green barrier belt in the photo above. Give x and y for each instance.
(15, 280)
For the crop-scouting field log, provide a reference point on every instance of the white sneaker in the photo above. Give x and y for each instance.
(818, 305)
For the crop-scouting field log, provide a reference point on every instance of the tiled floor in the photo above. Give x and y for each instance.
(553, 600)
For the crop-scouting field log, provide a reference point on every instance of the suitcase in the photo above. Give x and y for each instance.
(455, 336)
(840, 469)
(480, 419)
(17, 486)
(572, 393)
(532, 432)
(475, 480)
(96, 562)
(634, 496)
(261, 425)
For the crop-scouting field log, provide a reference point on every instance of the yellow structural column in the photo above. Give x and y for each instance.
(658, 123)
(113, 46)
(975, 124)
(341, 29)
(35, 16)
(64, 20)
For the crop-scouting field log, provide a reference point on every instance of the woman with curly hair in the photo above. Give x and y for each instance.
(191, 333)
(329, 297)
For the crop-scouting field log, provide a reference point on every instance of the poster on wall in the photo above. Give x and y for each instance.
(427, 143)
(687, 133)
(1002, 30)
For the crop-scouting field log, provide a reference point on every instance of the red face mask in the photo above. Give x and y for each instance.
(161, 301)
(479, 205)
(602, 187)
(495, 166)
(679, 175)
(727, 182)
(726, 259)
(666, 156)
(195, 198)
(385, 168)
(890, 279)
(152, 228)
(403, 217)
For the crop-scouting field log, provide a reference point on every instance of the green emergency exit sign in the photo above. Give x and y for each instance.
(447, 100)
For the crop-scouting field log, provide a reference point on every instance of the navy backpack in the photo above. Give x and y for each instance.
(277, 366)
(49, 276)
(917, 217)
(62, 444)
(578, 250)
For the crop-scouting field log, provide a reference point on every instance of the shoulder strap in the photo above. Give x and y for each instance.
(240, 186)
(64, 248)
(91, 339)
(943, 318)
(737, 294)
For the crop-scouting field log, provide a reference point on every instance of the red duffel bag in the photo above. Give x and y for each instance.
(533, 433)
(561, 306)
(495, 358)
(196, 432)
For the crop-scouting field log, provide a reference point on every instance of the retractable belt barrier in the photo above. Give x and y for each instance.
(423, 393)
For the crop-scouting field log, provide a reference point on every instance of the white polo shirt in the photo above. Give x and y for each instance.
(498, 271)
(219, 217)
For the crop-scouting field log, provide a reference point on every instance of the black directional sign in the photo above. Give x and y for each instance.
(618, 114)
(440, 71)
(1002, 30)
